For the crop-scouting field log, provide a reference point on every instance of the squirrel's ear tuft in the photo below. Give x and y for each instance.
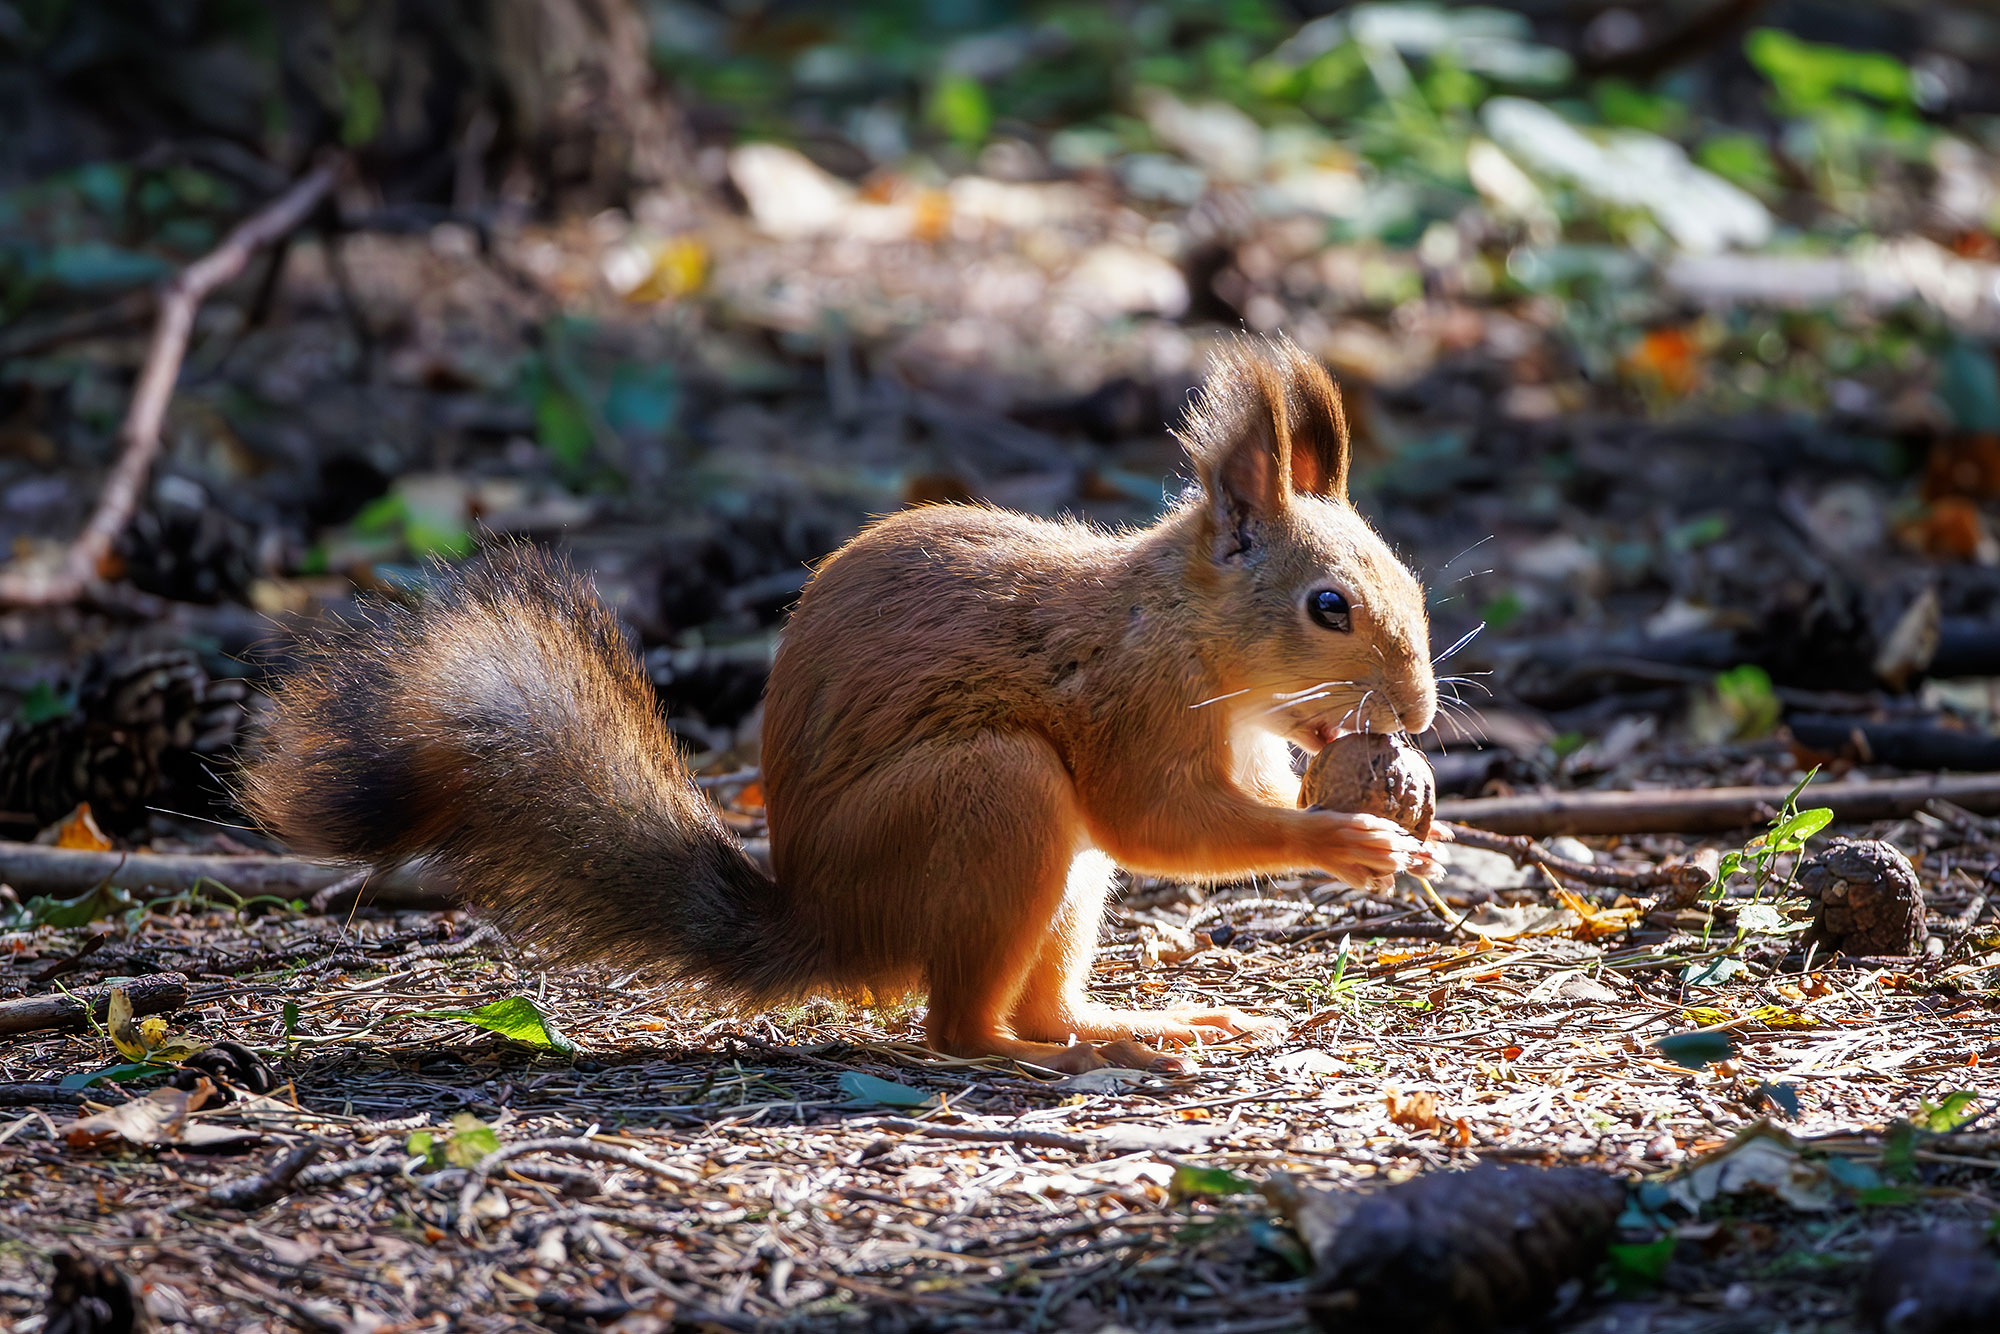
(1237, 436)
(1320, 450)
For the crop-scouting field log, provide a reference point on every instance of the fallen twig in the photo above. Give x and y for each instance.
(82, 564)
(67, 872)
(28, 1095)
(1526, 852)
(1699, 810)
(575, 1148)
(156, 993)
(1040, 1139)
(255, 1192)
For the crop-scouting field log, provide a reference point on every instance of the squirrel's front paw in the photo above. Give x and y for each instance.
(1365, 849)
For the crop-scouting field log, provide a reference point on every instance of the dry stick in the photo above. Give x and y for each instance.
(575, 1148)
(255, 1192)
(1526, 852)
(83, 562)
(68, 872)
(156, 993)
(1041, 1139)
(1701, 810)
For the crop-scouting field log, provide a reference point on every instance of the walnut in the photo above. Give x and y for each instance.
(1373, 774)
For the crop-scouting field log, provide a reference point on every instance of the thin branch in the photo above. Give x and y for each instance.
(1704, 810)
(83, 562)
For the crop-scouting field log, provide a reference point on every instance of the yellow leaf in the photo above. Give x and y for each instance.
(79, 830)
(1706, 1016)
(1596, 921)
(680, 267)
(125, 1034)
(1777, 1016)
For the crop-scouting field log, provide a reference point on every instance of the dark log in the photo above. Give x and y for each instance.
(1904, 745)
(1704, 810)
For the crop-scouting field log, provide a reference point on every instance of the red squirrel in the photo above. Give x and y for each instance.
(974, 715)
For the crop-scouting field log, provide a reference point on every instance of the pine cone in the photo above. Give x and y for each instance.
(181, 546)
(137, 736)
(1454, 1252)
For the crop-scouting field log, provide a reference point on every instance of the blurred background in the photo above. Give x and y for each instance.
(1667, 331)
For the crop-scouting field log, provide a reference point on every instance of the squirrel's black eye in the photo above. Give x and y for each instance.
(1329, 610)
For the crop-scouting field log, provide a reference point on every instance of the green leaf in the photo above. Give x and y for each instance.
(93, 266)
(517, 1019)
(424, 1143)
(361, 118)
(42, 703)
(1954, 1111)
(382, 515)
(121, 1073)
(1741, 159)
(959, 107)
(1748, 699)
(1195, 1182)
(426, 537)
(1636, 1266)
(1793, 833)
(1760, 917)
(103, 901)
(1899, 1151)
(290, 1016)
(1711, 972)
(471, 1139)
(562, 426)
(1696, 1050)
(1785, 1097)
(1811, 77)
(1887, 1196)
(866, 1089)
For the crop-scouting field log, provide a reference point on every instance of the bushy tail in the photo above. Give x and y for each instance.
(503, 730)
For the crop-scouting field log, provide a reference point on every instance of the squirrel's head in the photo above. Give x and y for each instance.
(1322, 629)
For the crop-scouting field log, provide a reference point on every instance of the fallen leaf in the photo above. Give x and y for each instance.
(1195, 1182)
(1109, 1079)
(118, 1023)
(161, 1117)
(1416, 1112)
(1309, 1062)
(861, 1088)
(79, 829)
(1759, 1160)
(1696, 1050)
(516, 1018)
(1494, 921)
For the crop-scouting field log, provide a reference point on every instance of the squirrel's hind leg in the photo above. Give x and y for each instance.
(1006, 858)
(1054, 1001)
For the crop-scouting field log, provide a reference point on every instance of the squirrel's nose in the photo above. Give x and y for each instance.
(1417, 713)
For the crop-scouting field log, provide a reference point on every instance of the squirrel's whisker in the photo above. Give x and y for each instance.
(1463, 640)
(1467, 552)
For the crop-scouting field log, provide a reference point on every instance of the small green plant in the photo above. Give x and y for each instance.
(1759, 857)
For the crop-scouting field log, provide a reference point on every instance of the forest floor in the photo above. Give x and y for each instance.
(1666, 573)
(819, 1163)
